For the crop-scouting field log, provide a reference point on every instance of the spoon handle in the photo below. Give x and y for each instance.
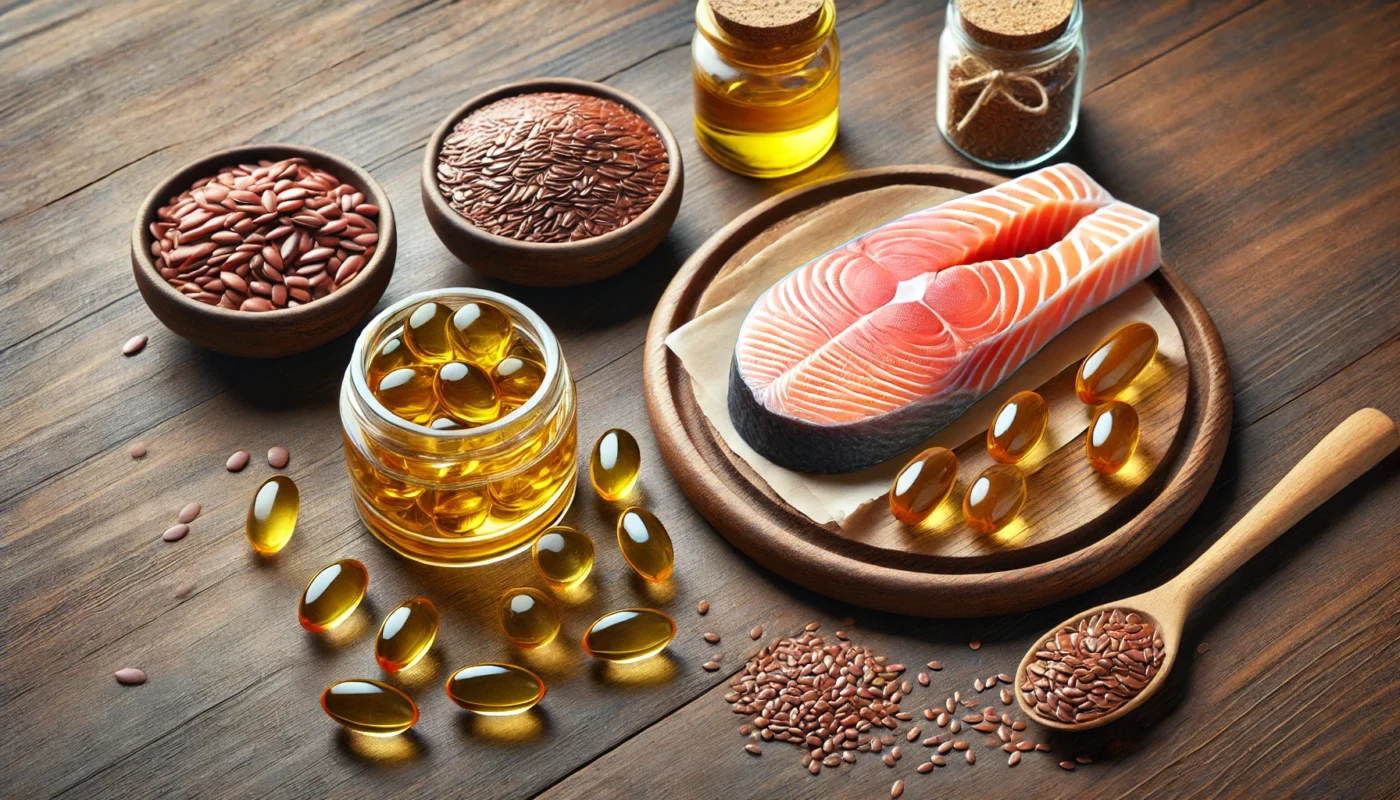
(1352, 448)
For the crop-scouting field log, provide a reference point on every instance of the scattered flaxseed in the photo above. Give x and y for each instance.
(979, 685)
(913, 733)
(842, 635)
(175, 532)
(1067, 765)
(189, 512)
(1005, 696)
(712, 638)
(130, 676)
(897, 789)
(184, 591)
(889, 759)
(237, 461)
(756, 632)
(975, 644)
(935, 665)
(278, 456)
(971, 757)
(938, 761)
(134, 345)
(710, 666)
(1014, 759)
(811, 626)
(1202, 648)
(137, 450)
(924, 768)
(753, 748)
(1003, 677)
(703, 607)
(1084, 759)
(923, 679)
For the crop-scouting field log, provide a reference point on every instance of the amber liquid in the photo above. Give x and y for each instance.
(765, 131)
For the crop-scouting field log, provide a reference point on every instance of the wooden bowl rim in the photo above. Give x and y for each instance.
(181, 178)
(592, 246)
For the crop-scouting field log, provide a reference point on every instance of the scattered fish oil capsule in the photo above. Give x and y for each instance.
(466, 392)
(425, 332)
(272, 516)
(480, 332)
(615, 464)
(923, 485)
(1112, 366)
(406, 634)
(529, 618)
(371, 707)
(333, 595)
(1017, 427)
(563, 556)
(517, 380)
(1113, 436)
(629, 635)
(994, 498)
(392, 354)
(409, 394)
(495, 690)
(645, 544)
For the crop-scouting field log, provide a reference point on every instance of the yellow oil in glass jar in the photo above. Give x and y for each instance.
(766, 83)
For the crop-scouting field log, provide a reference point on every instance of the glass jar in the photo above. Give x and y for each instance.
(1004, 107)
(766, 109)
(467, 496)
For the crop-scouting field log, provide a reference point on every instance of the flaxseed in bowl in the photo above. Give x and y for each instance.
(552, 182)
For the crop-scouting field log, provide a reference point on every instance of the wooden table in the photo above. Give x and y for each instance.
(1263, 133)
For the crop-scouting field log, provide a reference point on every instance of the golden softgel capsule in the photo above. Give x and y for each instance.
(629, 635)
(615, 464)
(1017, 427)
(563, 556)
(529, 618)
(370, 707)
(480, 332)
(391, 355)
(1112, 437)
(517, 380)
(1115, 363)
(332, 595)
(923, 485)
(994, 498)
(645, 544)
(466, 393)
(406, 634)
(272, 516)
(495, 690)
(409, 394)
(425, 332)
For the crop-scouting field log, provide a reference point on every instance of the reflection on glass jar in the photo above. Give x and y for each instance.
(461, 496)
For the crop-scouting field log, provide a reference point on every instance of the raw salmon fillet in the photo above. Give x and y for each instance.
(869, 349)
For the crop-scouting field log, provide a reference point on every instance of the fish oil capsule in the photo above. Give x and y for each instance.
(517, 379)
(645, 544)
(455, 512)
(563, 556)
(480, 333)
(495, 690)
(1017, 427)
(615, 464)
(522, 347)
(629, 635)
(392, 354)
(1112, 437)
(425, 332)
(333, 595)
(409, 394)
(272, 516)
(406, 634)
(529, 618)
(1112, 366)
(994, 498)
(923, 485)
(371, 707)
(466, 392)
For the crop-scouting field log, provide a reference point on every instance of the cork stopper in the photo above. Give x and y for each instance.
(767, 22)
(1015, 24)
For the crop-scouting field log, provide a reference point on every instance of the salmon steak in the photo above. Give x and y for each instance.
(869, 349)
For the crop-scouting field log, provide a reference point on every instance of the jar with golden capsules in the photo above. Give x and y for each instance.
(460, 432)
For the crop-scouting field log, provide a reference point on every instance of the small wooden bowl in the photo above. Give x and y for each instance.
(551, 264)
(264, 334)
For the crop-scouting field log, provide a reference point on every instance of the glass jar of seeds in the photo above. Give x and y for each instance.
(1010, 78)
(459, 418)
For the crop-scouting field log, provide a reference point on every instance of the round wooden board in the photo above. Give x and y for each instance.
(1078, 531)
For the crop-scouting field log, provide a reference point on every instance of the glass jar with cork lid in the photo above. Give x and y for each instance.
(767, 77)
(1010, 78)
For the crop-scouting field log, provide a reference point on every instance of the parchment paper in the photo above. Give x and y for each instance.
(705, 347)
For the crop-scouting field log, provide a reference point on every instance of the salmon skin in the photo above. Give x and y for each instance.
(867, 350)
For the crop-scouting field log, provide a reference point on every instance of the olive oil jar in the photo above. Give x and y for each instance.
(461, 495)
(767, 77)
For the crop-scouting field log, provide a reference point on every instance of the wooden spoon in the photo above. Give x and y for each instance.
(1352, 448)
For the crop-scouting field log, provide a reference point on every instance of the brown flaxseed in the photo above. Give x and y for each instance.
(134, 345)
(703, 607)
(1085, 671)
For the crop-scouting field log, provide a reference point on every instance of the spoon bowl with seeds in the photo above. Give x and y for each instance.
(1103, 663)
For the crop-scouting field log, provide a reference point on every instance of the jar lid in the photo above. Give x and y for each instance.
(767, 22)
(1015, 24)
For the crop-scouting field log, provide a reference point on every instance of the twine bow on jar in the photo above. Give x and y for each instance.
(1000, 82)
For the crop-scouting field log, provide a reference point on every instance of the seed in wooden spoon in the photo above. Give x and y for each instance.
(137, 450)
(130, 676)
(237, 461)
(188, 513)
(175, 532)
(134, 345)
(278, 456)
(1131, 646)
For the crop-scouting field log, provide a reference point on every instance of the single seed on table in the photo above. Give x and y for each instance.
(924, 768)
(945, 748)
(1067, 765)
(175, 532)
(1003, 677)
(188, 513)
(933, 741)
(1005, 696)
(753, 748)
(1004, 733)
(332, 595)
(134, 345)
(1084, 759)
(975, 644)
(942, 719)
(811, 626)
(1024, 746)
(955, 726)
(1018, 725)
(1202, 648)
(710, 666)
(923, 679)
(1014, 759)
(815, 767)
(841, 635)
(888, 759)
(756, 632)
(1042, 747)
(712, 638)
(961, 745)
(130, 676)
(913, 733)
(876, 745)
(237, 461)
(184, 591)
(897, 789)
(928, 714)
(978, 685)
(136, 450)
(938, 761)
(278, 456)
(703, 607)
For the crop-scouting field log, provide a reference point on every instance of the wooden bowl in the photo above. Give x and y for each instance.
(264, 334)
(551, 264)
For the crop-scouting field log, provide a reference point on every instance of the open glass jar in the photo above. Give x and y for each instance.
(461, 497)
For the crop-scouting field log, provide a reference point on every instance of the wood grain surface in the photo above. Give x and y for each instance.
(1262, 131)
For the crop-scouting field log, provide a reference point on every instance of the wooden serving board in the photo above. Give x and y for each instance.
(1078, 529)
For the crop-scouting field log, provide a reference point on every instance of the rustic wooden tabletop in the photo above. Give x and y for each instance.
(1263, 133)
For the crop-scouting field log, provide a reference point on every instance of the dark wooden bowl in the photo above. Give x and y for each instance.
(551, 264)
(265, 334)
